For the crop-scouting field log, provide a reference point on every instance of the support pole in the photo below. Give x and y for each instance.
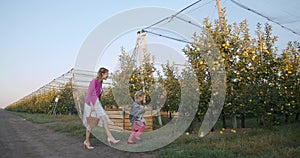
(139, 48)
(220, 12)
(145, 44)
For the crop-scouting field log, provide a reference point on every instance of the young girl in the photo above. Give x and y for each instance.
(136, 117)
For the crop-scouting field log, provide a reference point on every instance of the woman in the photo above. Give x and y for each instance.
(92, 102)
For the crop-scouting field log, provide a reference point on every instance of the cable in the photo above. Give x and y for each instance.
(175, 16)
(199, 7)
(172, 38)
(134, 50)
(189, 22)
(186, 8)
(172, 16)
(268, 18)
(160, 21)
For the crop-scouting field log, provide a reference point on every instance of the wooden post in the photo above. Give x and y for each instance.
(140, 53)
(140, 48)
(220, 12)
(145, 44)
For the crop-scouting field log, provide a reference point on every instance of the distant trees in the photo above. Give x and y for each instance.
(43, 102)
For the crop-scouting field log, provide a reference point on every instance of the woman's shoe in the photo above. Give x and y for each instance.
(85, 146)
(112, 141)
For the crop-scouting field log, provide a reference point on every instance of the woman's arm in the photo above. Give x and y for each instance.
(94, 92)
(98, 89)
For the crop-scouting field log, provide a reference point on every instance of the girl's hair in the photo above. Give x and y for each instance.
(138, 94)
(101, 71)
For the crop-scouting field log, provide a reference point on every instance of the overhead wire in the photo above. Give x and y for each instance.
(170, 18)
(182, 10)
(160, 21)
(200, 6)
(189, 22)
(165, 36)
(264, 16)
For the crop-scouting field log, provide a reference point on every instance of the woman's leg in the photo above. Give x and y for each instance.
(87, 138)
(106, 127)
(87, 109)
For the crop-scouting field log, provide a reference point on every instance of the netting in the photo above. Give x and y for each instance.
(284, 13)
(56, 84)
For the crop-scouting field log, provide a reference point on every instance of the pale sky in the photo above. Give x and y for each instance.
(40, 40)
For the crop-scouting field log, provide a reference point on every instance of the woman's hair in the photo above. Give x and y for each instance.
(101, 71)
(138, 94)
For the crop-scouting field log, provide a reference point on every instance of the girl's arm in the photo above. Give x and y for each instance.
(141, 110)
(137, 109)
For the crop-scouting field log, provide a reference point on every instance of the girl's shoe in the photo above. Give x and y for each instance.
(131, 142)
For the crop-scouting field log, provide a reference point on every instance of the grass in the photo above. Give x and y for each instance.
(43, 118)
(280, 141)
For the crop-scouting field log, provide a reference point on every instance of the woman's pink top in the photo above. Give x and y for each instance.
(94, 92)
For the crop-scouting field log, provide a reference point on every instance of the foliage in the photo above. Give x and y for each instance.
(259, 82)
(130, 78)
(45, 101)
(107, 99)
(171, 85)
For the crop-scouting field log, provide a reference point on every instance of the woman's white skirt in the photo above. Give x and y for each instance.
(99, 111)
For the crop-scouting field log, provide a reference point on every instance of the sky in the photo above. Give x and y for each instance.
(40, 40)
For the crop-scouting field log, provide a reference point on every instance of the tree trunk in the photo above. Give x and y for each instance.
(243, 120)
(223, 119)
(191, 127)
(297, 116)
(286, 119)
(159, 118)
(170, 115)
(259, 121)
(273, 119)
(210, 120)
(234, 122)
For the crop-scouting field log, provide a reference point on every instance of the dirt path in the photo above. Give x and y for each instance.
(21, 138)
